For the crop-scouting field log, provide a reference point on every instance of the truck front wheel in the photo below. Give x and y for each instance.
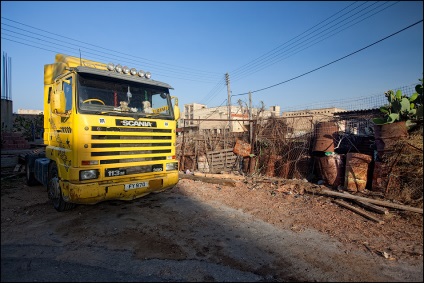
(54, 191)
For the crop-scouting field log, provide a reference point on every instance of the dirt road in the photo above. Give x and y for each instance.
(194, 232)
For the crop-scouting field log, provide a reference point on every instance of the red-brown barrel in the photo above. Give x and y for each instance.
(332, 169)
(387, 135)
(325, 133)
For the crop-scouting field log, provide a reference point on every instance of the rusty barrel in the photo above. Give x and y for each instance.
(387, 135)
(332, 169)
(325, 133)
(270, 169)
(356, 172)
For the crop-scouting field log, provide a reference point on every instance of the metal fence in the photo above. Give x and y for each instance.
(369, 101)
(288, 146)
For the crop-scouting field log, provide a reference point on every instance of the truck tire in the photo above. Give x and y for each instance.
(30, 179)
(55, 192)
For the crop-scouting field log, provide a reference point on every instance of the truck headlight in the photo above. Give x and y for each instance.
(171, 166)
(88, 174)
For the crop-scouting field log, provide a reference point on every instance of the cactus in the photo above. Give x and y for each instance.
(402, 107)
(416, 100)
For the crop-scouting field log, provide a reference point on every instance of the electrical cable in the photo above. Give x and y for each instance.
(191, 73)
(274, 58)
(333, 61)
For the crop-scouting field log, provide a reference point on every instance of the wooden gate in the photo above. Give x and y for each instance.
(222, 160)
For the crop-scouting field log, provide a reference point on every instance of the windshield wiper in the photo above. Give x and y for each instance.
(148, 115)
(109, 113)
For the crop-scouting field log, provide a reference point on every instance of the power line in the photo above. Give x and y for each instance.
(320, 39)
(334, 60)
(62, 36)
(278, 47)
(213, 93)
(276, 57)
(205, 74)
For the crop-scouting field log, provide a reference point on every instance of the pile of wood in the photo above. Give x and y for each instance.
(378, 206)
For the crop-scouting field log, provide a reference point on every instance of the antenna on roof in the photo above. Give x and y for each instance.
(80, 56)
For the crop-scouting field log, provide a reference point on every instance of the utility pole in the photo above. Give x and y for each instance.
(250, 119)
(227, 81)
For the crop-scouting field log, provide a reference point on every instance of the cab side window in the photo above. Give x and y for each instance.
(67, 89)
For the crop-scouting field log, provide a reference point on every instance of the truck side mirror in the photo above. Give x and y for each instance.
(58, 102)
(176, 112)
(176, 108)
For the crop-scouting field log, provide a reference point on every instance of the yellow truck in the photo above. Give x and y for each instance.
(109, 134)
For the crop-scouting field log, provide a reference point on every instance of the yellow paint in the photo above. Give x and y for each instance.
(161, 109)
(69, 139)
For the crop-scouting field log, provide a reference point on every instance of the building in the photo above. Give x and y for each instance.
(303, 121)
(30, 111)
(199, 118)
(358, 122)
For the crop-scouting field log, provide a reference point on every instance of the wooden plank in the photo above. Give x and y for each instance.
(220, 176)
(357, 210)
(221, 151)
(372, 207)
(222, 164)
(216, 160)
(369, 200)
(223, 156)
(225, 182)
(222, 161)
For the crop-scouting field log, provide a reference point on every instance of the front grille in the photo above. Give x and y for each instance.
(133, 130)
(139, 144)
(126, 160)
(114, 153)
(105, 137)
(118, 145)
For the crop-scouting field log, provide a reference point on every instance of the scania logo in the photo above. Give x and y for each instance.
(135, 123)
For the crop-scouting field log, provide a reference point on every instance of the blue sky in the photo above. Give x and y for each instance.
(191, 45)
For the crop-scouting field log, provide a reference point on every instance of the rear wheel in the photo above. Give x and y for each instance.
(55, 192)
(30, 179)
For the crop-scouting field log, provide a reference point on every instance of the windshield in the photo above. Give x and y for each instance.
(105, 95)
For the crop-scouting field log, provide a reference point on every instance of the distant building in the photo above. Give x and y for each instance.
(30, 111)
(302, 121)
(199, 118)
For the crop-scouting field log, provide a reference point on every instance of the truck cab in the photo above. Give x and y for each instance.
(109, 133)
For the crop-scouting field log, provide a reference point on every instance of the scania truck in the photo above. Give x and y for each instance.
(109, 134)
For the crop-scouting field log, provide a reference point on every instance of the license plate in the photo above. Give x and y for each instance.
(136, 185)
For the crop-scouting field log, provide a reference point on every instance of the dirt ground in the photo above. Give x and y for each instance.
(288, 206)
(255, 230)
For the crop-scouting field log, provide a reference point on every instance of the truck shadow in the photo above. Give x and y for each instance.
(173, 237)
